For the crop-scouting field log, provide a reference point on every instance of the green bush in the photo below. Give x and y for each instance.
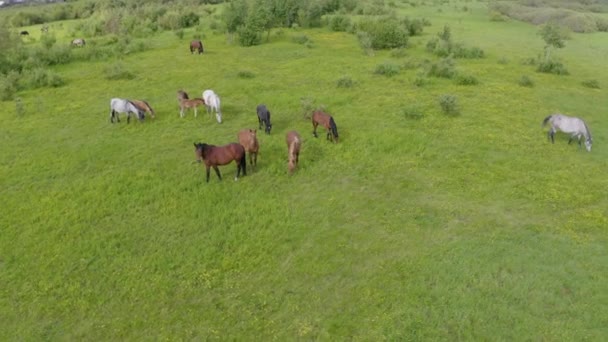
(365, 41)
(245, 74)
(465, 80)
(414, 27)
(345, 82)
(339, 23)
(8, 85)
(552, 67)
(117, 71)
(398, 52)
(40, 77)
(526, 81)
(420, 81)
(385, 34)
(594, 84)
(188, 20)
(444, 68)
(387, 69)
(449, 104)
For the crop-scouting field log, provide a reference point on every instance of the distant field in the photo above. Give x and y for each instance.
(417, 226)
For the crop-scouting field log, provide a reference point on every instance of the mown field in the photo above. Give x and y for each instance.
(417, 226)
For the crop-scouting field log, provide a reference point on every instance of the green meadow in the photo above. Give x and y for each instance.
(417, 225)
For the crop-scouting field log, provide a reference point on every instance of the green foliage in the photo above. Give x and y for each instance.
(384, 33)
(387, 69)
(449, 104)
(444, 68)
(462, 79)
(551, 34)
(398, 52)
(340, 23)
(526, 81)
(420, 81)
(345, 82)
(117, 71)
(189, 19)
(179, 33)
(245, 74)
(552, 66)
(414, 27)
(300, 39)
(40, 77)
(443, 46)
(412, 113)
(8, 85)
(365, 41)
(593, 84)
(48, 40)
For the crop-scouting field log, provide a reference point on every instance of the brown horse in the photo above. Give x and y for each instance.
(190, 103)
(328, 122)
(196, 45)
(248, 138)
(221, 155)
(294, 142)
(143, 106)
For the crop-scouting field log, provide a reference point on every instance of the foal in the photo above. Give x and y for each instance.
(144, 107)
(190, 103)
(248, 138)
(294, 142)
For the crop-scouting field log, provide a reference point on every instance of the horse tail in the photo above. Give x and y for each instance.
(546, 120)
(334, 128)
(243, 162)
(587, 129)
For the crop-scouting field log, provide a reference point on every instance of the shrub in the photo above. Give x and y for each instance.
(398, 52)
(8, 85)
(387, 69)
(412, 113)
(117, 71)
(345, 82)
(552, 67)
(300, 39)
(466, 80)
(188, 20)
(594, 84)
(420, 81)
(245, 74)
(460, 51)
(414, 27)
(384, 34)
(339, 23)
(444, 68)
(526, 81)
(449, 104)
(40, 77)
(365, 41)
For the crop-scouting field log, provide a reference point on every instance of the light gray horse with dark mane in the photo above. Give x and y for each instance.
(576, 127)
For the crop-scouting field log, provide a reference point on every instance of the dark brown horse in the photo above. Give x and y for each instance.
(328, 122)
(221, 155)
(144, 107)
(248, 138)
(294, 142)
(196, 45)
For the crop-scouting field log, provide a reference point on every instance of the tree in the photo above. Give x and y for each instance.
(553, 37)
(235, 15)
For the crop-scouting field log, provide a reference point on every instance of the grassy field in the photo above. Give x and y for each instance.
(467, 227)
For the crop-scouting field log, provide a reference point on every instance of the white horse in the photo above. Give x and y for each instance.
(124, 106)
(212, 102)
(576, 127)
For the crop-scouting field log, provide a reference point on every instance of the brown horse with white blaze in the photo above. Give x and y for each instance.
(294, 142)
(248, 138)
(327, 121)
(213, 156)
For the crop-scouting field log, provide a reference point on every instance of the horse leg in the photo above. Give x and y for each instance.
(551, 133)
(260, 122)
(128, 117)
(207, 167)
(217, 171)
(314, 129)
(111, 116)
(255, 159)
(195, 112)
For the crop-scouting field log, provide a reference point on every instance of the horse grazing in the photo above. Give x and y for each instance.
(328, 122)
(144, 107)
(24, 33)
(576, 127)
(213, 156)
(124, 106)
(264, 118)
(79, 42)
(212, 102)
(196, 45)
(294, 142)
(190, 103)
(248, 138)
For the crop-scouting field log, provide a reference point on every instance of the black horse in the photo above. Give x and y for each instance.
(264, 118)
(24, 33)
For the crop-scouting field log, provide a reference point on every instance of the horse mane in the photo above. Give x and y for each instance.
(546, 120)
(587, 129)
(334, 128)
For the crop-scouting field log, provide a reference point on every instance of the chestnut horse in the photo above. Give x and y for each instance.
(144, 107)
(248, 138)
(213, 156)
(196, 45)
(294, 142)
(328, 122)
(190, 103)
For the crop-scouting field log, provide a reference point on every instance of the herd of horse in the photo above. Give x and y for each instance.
(213, 156)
